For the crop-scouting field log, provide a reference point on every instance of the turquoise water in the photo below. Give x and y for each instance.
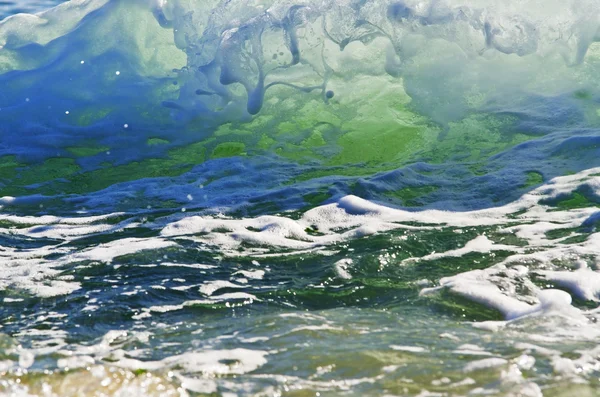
(8, 8)
(302, 198)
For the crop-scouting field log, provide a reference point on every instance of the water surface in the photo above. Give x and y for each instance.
(300, 198)
(8, 8)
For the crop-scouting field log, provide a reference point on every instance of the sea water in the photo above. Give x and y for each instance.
(8, 8)
(300, 198)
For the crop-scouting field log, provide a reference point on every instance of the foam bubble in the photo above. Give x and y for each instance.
(485, 364)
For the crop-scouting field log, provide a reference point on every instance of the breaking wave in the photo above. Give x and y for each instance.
(416, 103)
(273, 197)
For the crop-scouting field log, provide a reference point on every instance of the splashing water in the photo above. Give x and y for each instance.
(273, 197)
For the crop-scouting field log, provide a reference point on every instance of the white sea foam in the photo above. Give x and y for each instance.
(506, 286)
(488, 48)
(485, 364)
(410, 349)
(207, 363)
(341, 268)
(584, 283)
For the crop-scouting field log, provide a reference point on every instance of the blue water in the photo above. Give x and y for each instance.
(8, 8)
(299, 198)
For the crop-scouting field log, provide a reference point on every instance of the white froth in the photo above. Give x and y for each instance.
(500, 286)
(191, 266)
(341, 268)
(585, 283)
(251, 274)
(481, 244)
(210, 287)
(107, 252)
(471, 350)
(485, 363)
(479, 286)
(507, 286)
(410, 349)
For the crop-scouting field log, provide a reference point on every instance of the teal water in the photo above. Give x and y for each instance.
(11, 7)
(278, 198)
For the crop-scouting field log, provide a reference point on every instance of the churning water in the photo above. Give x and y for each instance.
(300, 198)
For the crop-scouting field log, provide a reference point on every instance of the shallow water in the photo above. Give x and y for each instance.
(300, 198)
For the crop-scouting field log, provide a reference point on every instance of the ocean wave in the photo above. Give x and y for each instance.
(406, 102)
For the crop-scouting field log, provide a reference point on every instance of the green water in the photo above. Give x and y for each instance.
(320, 198)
